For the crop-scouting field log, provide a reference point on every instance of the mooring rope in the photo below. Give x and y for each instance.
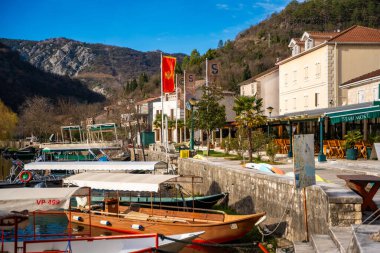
(281, 220)
(216, 245)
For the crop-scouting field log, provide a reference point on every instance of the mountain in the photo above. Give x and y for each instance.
(103, 68)
(20, 80)
(257, 48)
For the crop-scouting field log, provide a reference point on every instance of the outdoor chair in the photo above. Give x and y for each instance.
(278, 143)
(333, 148)
(287, 145)
(362, 149)
(326, 149)
(342, 148)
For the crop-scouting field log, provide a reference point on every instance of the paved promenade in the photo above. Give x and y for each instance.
(327, 170)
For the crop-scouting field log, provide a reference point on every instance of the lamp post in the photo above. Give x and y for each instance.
(321, 155)
(190, 106)
(270, 109)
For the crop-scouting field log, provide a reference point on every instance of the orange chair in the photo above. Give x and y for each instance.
(326, 149)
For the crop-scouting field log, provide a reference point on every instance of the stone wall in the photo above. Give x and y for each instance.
(251, 191)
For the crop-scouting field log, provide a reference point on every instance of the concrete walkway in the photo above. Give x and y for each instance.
(327, 170)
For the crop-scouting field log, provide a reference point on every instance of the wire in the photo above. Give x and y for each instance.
(352, 236)
(281, 220)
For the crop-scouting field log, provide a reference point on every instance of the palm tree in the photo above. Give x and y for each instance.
(249, 115)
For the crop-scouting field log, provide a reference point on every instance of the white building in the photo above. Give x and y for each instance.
(363, 89)
(173, 110)
(265, 85)
(310, 78)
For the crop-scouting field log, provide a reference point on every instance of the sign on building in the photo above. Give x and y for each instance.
(303, 158)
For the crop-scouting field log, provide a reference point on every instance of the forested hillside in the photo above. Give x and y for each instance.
(257, 48)
(20, 80)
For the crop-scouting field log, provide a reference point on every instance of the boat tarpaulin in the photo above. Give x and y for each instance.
(32, 199)
(119, 181)
(91, 166)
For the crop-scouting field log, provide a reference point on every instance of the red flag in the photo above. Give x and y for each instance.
(168, 67)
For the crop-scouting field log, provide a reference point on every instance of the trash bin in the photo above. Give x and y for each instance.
(184, 153)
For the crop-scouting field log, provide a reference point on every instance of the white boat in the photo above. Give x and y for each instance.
(83, 166)
(35, 172)
(15, 201)
(101, 244)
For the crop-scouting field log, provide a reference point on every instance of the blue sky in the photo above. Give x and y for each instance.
(171, 26)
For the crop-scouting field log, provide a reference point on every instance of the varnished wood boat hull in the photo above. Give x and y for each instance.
(234, 226)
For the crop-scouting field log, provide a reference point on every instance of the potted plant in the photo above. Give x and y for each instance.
(351, 138)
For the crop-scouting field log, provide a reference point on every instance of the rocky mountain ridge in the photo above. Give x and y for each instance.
(19, 80)
(102, 67)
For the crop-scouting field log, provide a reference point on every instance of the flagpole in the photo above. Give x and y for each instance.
(184, 105)
(162, 105)
(206, 72)
(176, 108)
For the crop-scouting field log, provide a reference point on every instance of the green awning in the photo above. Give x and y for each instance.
(369, 112)
(101, 127)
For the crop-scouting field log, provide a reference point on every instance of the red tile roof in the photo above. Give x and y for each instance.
(323, 35)
(358, 34)
(354, 34)
(363, 77)
(298, 41)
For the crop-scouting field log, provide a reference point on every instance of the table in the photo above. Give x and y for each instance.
(359, 183)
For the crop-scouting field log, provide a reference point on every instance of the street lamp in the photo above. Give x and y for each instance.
(190, 104)
(270, 109)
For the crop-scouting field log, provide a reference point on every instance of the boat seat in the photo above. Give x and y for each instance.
(167, 219)
(136, 215)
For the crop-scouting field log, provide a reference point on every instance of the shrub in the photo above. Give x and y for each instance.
(271, 149)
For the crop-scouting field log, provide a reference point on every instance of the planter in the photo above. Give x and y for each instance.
(369, 151)
(352, 154)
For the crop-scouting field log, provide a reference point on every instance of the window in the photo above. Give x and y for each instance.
(309, 44)
(171, 114)
(306, 101)
(242, 90)
(286, 80)
(361, 97)
(294, 77)
(252, 89)
(316, 99)
(317, 70)
(286, 105)
(376, 93)
(306, 73)
(295, 50)
(294, 103)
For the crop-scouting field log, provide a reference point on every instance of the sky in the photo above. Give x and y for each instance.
(172, 26)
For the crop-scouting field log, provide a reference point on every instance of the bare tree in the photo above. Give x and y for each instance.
(37, 117)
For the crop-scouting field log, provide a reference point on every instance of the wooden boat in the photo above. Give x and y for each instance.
(218, 226)
(11, 217)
